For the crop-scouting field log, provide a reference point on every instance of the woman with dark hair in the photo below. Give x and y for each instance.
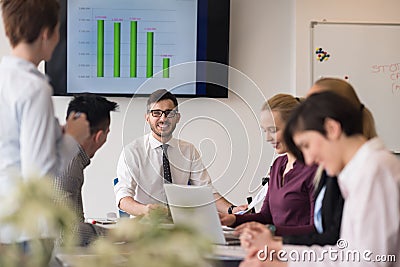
(328, 130)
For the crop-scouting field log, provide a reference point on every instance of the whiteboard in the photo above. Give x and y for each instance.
(367, 55)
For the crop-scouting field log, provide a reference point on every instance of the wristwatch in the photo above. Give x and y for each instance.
(230, 209)
(272, 228)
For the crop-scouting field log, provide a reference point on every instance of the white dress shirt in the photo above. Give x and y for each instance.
(370, 185)
(31, 139)
(140, 171)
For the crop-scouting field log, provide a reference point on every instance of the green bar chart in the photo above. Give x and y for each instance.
(149, 54)
(100, 48)
(166, 62)
(133, 49)
(133, 53)
(116, 46)
(117, 49)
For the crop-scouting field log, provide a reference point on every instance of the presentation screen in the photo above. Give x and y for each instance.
(114, 47)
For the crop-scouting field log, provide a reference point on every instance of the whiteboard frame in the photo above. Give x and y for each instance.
(315, 23)
(394, 147)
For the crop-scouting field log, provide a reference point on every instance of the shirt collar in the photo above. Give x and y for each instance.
(357, 162)
(285, 161)
(84, 157)
(154, 143)
(21, 63)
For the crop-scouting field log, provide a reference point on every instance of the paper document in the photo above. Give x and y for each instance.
(257, 199)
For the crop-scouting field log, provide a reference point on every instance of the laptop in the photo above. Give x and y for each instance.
(195, 206)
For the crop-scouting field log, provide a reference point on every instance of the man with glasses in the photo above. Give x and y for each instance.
(157, 158)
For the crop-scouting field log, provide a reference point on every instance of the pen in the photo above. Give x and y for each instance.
(92, 221)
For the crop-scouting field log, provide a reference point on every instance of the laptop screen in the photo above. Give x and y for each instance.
(195, 206)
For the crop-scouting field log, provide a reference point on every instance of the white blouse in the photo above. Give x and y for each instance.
(370, 184)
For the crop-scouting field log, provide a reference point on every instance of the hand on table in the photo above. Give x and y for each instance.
(227, 219)
(254, 235)
(253, 259)
(150, 208)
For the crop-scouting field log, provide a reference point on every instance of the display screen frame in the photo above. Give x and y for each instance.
(213, 28)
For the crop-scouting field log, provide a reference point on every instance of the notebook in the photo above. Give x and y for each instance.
(195, 206)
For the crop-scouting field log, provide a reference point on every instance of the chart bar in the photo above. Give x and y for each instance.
(100, 48)
(117, 49)
(133, 50)
(150, 54)
(166, 61)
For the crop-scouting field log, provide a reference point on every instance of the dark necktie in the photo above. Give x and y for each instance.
(166, 167)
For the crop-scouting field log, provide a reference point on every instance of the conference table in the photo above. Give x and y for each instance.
(223, 256)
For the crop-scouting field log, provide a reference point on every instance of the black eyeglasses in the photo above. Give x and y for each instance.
(168, 113)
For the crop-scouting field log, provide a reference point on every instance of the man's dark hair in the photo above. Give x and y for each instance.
(161, 94)
(96, 108)
(313, 112)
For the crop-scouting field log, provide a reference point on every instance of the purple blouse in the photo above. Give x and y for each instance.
(289, 207)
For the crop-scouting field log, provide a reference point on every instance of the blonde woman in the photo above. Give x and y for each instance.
(344, 89)
(289, 202)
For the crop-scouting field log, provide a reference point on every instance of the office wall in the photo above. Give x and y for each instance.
(269, 44)
(225, 140)
(338, 10)
(228, 135)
